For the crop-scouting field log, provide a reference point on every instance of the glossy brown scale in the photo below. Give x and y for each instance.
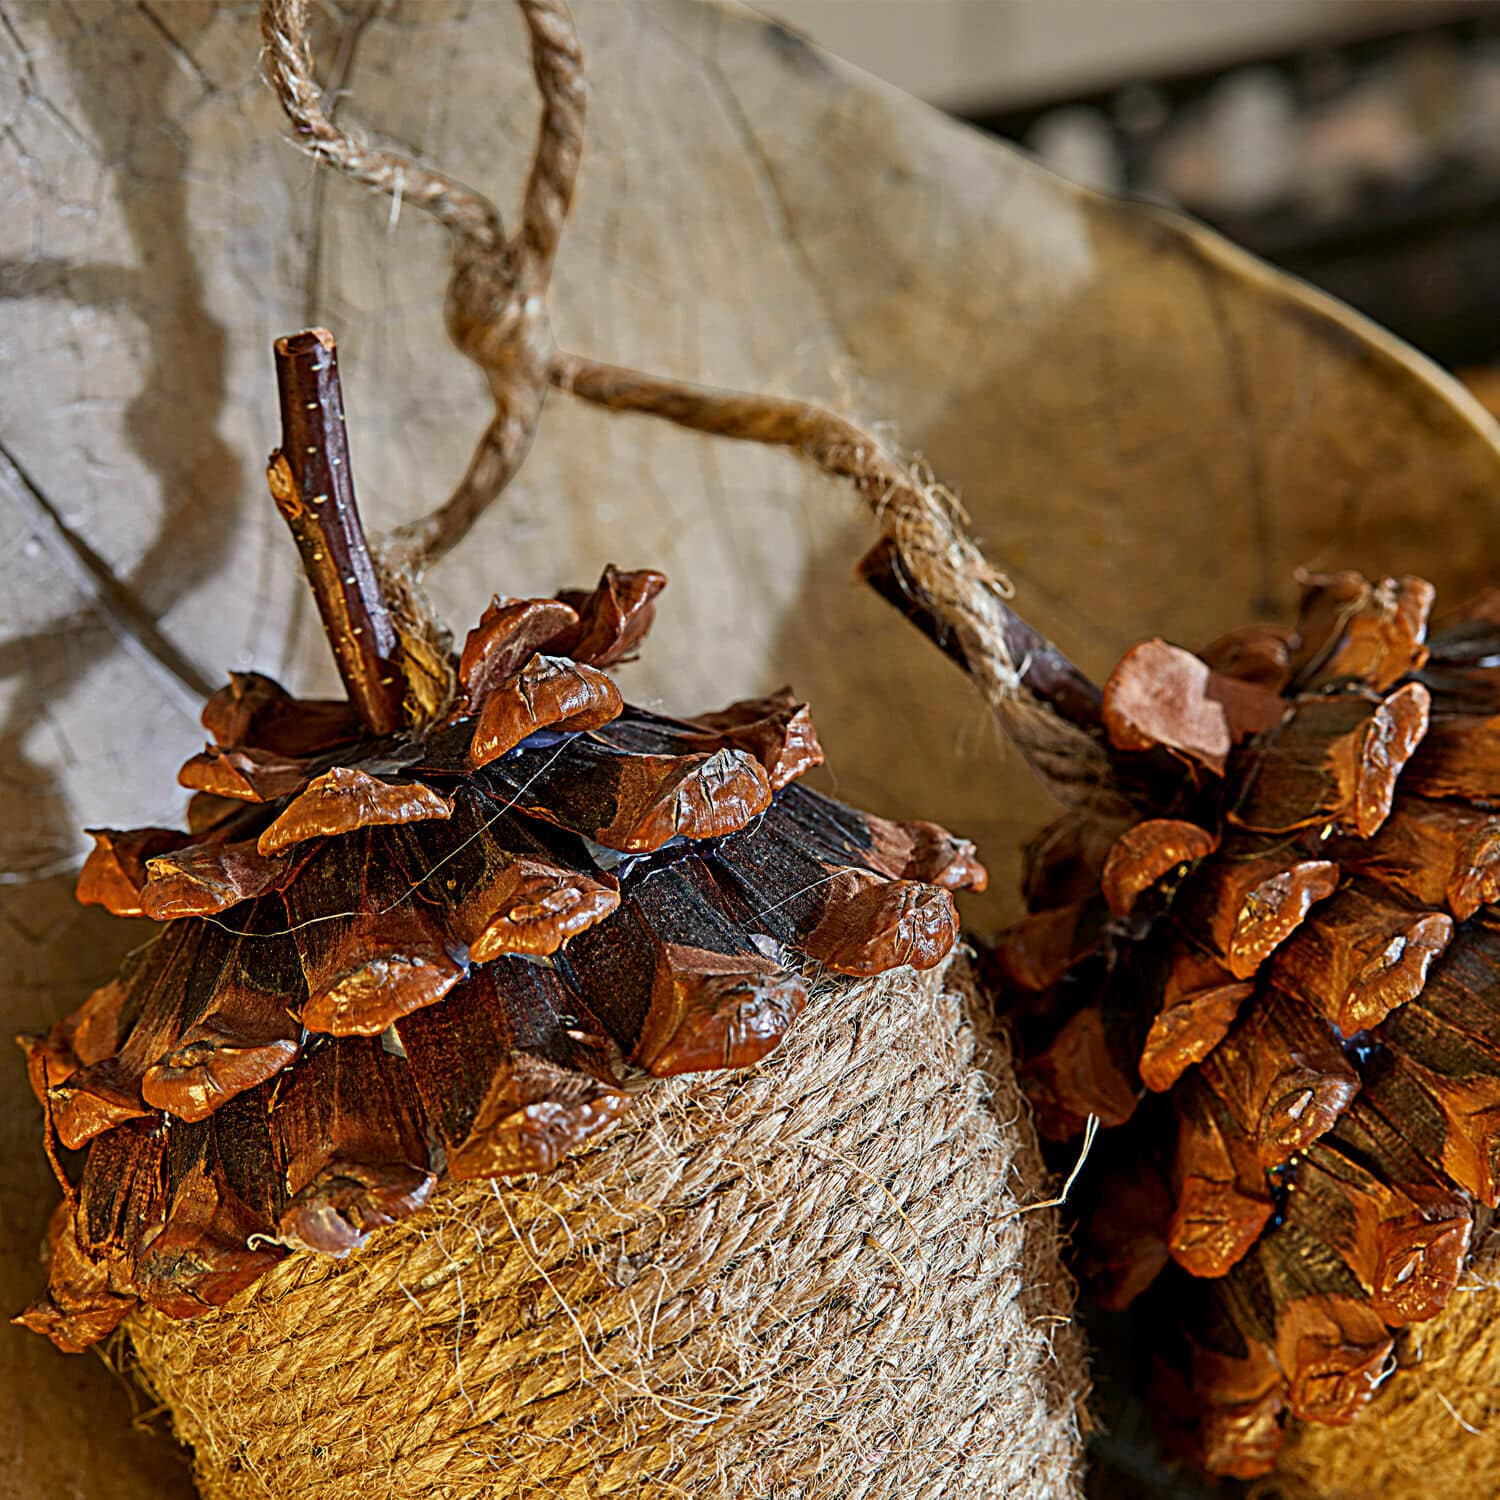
(243, 774)
(548, 692)
(777, 731)
(1331, 1344)
(1407, 1255)
(1221, 1197)
(343, 800)
(246, 1027)
(1231, 1399)
(716, 999)
(1162, 697)
(1356, 630)
(509, 633)
(1459, 758)
(505, 885)
(1360, 955)
(901, 851)
(115, 870)
(794, 873)
(613, 616)
(1260, 653)
(349, 1144)
(205, 879)
(513, 1072)
(1146, 854)
(256, 710)
(122, 1199)
(166, 983)
(1244, 905)
(1432, 854)
(1200, 1002)
(221, 1201)
(384, 956)
(1333, 763)
(88, 1035)
(1458, 1075)
(692, 989)
(630, 802)
(89, 1309)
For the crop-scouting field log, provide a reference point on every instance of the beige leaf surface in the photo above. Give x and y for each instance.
(1149, 432)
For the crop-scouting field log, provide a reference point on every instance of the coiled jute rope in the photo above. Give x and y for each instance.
(817, 1280)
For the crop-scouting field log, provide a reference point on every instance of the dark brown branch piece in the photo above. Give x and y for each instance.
(313, 486)
(1047, 672)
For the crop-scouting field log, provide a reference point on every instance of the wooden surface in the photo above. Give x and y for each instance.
(1148, 430)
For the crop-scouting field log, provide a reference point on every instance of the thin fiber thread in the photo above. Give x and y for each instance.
(1434, 1430)
(813, 1279)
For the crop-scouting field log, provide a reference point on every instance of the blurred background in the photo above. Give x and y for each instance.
(1353, 142)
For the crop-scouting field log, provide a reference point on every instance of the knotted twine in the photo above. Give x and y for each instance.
(816, 1280)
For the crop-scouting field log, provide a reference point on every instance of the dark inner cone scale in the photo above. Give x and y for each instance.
(455, 947)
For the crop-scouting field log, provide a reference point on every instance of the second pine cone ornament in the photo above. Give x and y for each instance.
(1275, 957)
(396, 943)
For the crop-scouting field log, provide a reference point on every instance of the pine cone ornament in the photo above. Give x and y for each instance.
(1269, 960)
(449, 926)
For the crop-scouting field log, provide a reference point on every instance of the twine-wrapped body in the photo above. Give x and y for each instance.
(808, 1280)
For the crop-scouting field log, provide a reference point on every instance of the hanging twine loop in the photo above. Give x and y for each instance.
(497, 315)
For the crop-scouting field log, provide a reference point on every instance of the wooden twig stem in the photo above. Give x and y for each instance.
(313, 487)
(1047, 672)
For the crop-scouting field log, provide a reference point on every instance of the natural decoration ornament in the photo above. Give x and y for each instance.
(447, 929)
(395, 950)
(1275, 962)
